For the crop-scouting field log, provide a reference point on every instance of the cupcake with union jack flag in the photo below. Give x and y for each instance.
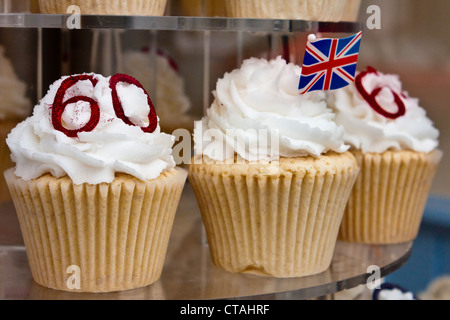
(94, 185)
(396, 146)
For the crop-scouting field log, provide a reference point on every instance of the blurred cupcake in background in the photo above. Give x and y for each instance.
(351, 11)
(94, 185)
(34, 6)
(396, 146)
(271, 174)
(171, 101)
(198, 8)
(317, 10)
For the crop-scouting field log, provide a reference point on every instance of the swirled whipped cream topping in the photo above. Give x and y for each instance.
(260, 101)
(370, 131)
(13, 103)
(91, 157)
(395, 294)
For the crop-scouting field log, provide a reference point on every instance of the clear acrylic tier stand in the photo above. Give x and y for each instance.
(188, 272)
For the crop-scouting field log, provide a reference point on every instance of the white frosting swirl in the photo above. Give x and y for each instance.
(262, 96)
(13, 103)
(93, 157)
(369, 131)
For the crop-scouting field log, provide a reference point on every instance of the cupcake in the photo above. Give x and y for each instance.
(172, 103)
(107, 7)
(320, 10)
(95, 185)
(271, 173)
(14, 107)
(390, 291)
(210, 8)
(438, 289)
(395, 145)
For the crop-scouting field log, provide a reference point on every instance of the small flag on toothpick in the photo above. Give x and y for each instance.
(329, 64)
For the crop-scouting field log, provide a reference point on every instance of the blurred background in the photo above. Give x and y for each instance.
(413, 42)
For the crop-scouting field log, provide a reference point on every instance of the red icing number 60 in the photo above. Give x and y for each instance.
(59, 106)
(371, 97)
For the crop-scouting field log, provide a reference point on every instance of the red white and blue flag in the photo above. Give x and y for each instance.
(329, 64)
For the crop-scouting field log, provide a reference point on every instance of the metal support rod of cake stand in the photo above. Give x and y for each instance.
(290, 46)
(94, 50)
(118, 51)
(106, 55)
(65, 51)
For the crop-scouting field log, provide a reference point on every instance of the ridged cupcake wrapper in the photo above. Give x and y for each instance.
(322, 10)
(281, 226)
(5, 158)
(387, 203)
(107, 7)
(117, 233)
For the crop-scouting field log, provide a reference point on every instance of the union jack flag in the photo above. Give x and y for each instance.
(329, 64)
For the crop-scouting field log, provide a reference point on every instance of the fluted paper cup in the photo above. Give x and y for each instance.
(106, 7)
(387, 203)
(5, 158)
(96, 238)
(320, 10)
(279, 221)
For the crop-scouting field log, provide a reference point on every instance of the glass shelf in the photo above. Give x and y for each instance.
(189, 273)
(175, 23)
